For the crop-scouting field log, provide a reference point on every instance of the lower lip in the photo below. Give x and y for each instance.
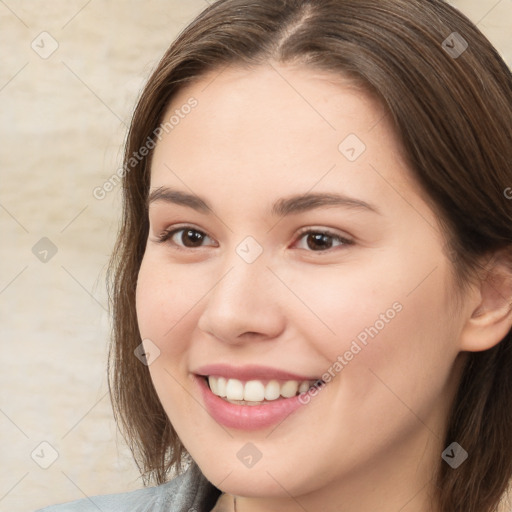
(247, 417)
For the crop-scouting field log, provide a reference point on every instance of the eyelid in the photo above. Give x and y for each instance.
(345, 239)
(166, 235)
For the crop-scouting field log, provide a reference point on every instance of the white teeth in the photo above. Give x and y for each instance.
(234, 390)
(304, 386)
(255, 391)
(221, 387)
(272, 390)
(214, 386)
(290, 388)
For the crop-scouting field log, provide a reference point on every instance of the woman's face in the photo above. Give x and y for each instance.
(288, 243)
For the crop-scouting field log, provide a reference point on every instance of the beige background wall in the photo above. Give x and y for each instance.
(62, 122)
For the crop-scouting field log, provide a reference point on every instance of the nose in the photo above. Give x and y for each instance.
(243, 305)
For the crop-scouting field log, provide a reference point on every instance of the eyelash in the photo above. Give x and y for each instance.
(325, 232)
(166, 235)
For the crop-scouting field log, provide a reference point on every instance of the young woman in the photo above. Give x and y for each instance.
(312, 285)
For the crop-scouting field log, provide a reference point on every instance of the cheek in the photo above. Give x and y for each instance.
(384, 335)
(166, 304)
(342, 309)
(165, 297)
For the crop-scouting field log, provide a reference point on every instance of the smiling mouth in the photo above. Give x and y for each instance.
(257, 392)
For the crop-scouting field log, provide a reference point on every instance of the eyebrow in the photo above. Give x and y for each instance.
(282, 207)
(169, 195)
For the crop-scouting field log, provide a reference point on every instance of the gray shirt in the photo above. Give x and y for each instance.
(189, 492)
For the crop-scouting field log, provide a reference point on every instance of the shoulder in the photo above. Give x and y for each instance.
(189, 492)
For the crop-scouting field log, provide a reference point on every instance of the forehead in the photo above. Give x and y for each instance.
(272, 129)
(273, 105)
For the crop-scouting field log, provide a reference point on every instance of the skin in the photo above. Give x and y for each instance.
(371, 439)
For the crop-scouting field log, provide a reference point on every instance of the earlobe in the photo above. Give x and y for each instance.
(491, 320)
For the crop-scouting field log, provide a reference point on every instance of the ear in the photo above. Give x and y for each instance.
(490, 317)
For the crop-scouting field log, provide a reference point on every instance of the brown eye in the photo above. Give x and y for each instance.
(191, 237)
(317, 241)
(184, 237)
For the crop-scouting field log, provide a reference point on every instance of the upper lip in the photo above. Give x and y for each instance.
(249, 372)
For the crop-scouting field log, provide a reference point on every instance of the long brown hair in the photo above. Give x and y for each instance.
(448, 95)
